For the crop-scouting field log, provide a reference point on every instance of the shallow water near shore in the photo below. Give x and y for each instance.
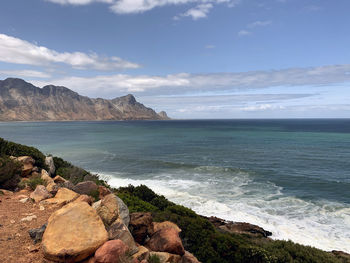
(291, 177)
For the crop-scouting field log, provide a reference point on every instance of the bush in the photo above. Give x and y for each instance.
(10, 171)
(34, 181)
(135, 204)
(15, 149)
(154, 259)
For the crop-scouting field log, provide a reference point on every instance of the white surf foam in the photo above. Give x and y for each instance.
(324, 225)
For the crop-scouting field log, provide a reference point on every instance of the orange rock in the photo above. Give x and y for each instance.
(166, 224)
(140, 226)
(84, 198)
(166, 240)
(103, 191)
(111, 252)
(40, 194)
(73, 233)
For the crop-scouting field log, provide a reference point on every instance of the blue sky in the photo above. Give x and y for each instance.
(191, 58)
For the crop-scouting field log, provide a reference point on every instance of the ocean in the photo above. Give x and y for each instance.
(291, 177)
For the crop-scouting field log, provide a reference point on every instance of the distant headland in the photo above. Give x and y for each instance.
(22, 101)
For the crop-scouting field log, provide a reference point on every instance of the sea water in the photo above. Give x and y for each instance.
(291, 177)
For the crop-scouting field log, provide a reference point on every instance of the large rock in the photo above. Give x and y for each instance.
(28, 164)
(112, 251)
(40, 193)
(165, 257)
(86, 188)
(123, 211)
(166, 240)
(58, 179)
(103, 191)
(239, 227)
(189, 258)
(166, 224)
(142, 254)
(84, 198)
(63, 196)
(110, 208)
(46, 177)
(73, 233)
(141, 226)
(50, 164)
(118, 230)
(52, 188)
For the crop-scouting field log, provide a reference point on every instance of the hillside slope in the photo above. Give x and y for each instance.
(22, 101)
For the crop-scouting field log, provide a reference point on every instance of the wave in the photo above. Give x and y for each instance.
(322, 224)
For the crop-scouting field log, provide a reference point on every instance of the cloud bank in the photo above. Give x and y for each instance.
(200, 10)
(185, 83)
(18, 51)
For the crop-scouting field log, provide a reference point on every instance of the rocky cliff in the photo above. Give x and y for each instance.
(22, 101)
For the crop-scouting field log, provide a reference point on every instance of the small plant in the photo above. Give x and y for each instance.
(154, 259)
(10, 171)
(34, 181)
(95, 194)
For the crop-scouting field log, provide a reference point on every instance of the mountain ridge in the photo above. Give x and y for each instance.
(22, 101)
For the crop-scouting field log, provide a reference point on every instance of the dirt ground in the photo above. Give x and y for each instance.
(16, 246)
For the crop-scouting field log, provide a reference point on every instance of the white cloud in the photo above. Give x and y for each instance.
(259, 24)
(263, 107)
(18, 51)
(78, 2)
(201, 9)
(25, 73)
(243, 33)
(115, 85)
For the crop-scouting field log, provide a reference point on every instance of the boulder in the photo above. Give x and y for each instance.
(118, 230)
(73, 233)
(50, 164)
(142, 254)
(110, 208)
(46, 177)
(28, 164)
(166, 257)
(166, 224)
(52, 188)
(68, 184)
(58, 179)
(141, 226)
(86, 188)
(63, 196)
(40, 193)
(85, 198)
(112, 251)
(6, 192)
(37, 233)
(103, 191)
(166, 240)
(96, 205)
(189, 258)
(123, 211)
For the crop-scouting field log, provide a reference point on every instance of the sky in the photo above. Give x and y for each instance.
(193, 59)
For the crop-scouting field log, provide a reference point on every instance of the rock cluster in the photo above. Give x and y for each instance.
(97, 232)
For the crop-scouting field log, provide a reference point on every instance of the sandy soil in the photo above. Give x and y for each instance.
(16, 246)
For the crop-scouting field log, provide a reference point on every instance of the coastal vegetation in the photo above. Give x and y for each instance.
(199, 235)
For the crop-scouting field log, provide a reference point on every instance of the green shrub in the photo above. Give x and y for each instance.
(135, 204)
(154, 259)
(34, 181)
(95, 194)
(10, 171)
(15, 149)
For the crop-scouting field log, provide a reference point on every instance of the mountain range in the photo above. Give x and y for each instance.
(22, 101)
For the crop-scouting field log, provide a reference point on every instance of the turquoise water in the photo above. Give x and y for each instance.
(291, 177)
